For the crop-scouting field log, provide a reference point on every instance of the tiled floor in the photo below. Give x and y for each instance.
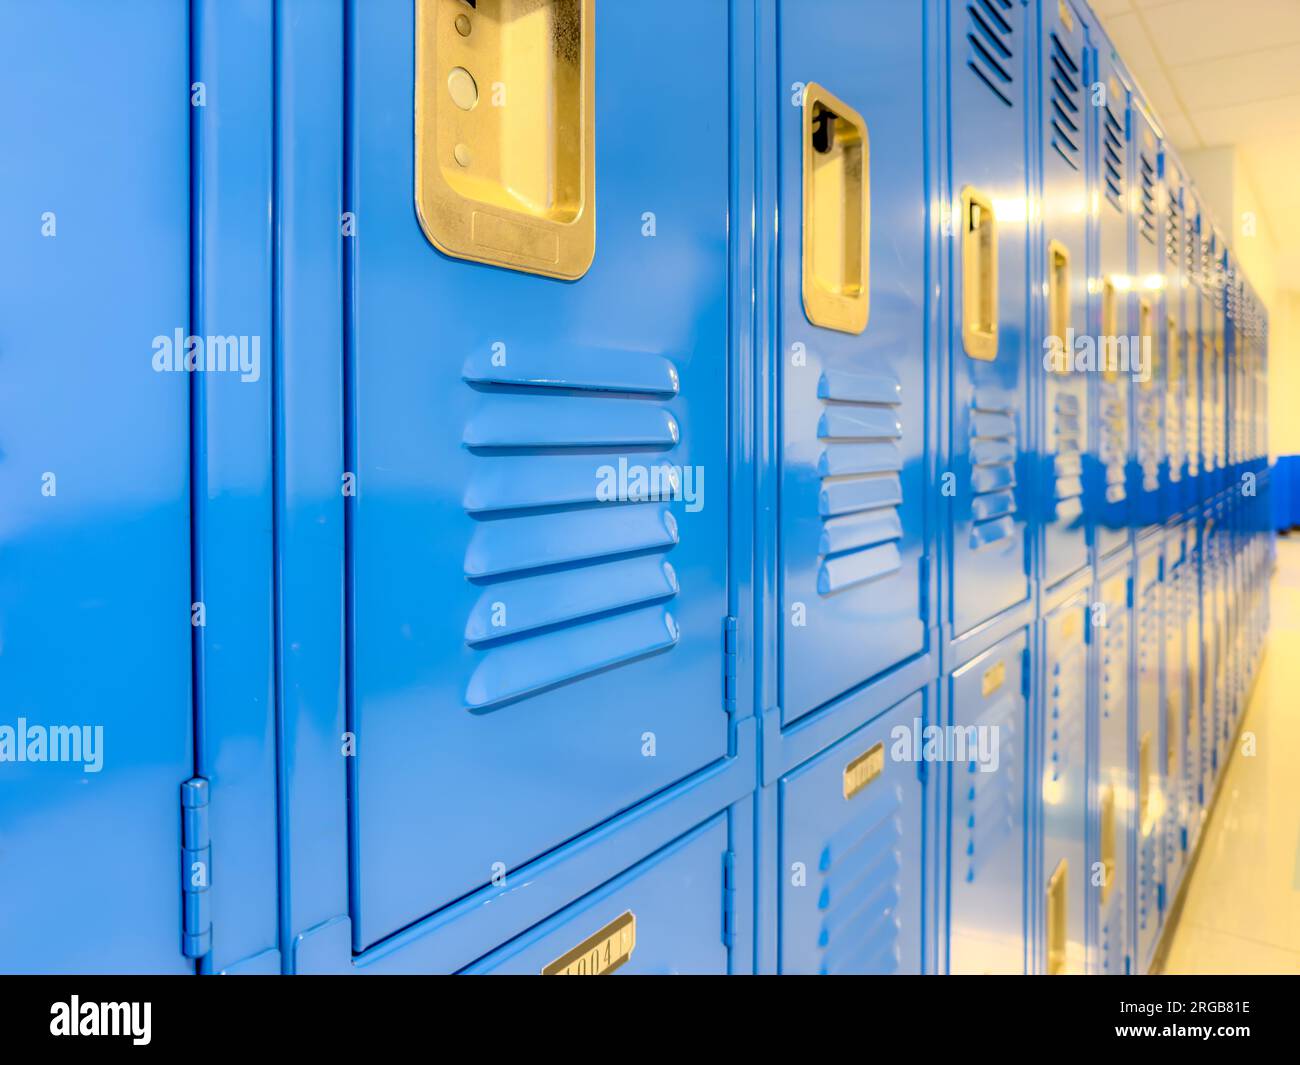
(1242, 909)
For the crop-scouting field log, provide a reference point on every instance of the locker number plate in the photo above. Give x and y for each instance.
(994, 677)
(600, 954)
(863, 770)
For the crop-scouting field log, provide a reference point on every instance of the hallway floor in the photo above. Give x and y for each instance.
(1241, 912)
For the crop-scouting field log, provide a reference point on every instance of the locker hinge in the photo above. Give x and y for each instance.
(729, 898)
(1026, 679)
(196, 869)
(1129, 591)
(729, 664)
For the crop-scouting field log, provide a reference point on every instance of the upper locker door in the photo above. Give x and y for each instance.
(95, 680)
(852, 350)
(1192, 344)
(1175, 345)
(988, 47)
(1148, 309)
(1066, 66)
(538, 422)
(1112, 320)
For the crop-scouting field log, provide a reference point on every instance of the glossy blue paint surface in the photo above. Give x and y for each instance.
(459, 714)
(95, 569)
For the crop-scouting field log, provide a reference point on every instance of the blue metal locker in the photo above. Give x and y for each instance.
(854, 849)
(989, 50)
(1148, 769)
(1192, 312)
(1064, 698)
(95, 478)
(563, 438)
(1147, 318)
(1066, 58)
(1111, 318)
(854, 370)
(986, 703)
(1114, 801)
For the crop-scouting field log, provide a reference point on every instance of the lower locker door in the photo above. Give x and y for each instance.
(1176, 680)
(1149, 771)
(987, 832)
(852, 824)
(1065, 786)
(662, 917)
(1114, 799)
(539, 531)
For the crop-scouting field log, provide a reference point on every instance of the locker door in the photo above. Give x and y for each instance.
(852, 825)
(853, 393)
(1111, 315)
(564, 438)
(986, 701)
(1149, 768)
(1115, 796)
(1147, 308)
(1066, 67)
(1065, 785)
(1174, 340)
(1192, 347)
(1176, 670)
(987, 51)
(95, 733)
(1195, 648)
(661, 917)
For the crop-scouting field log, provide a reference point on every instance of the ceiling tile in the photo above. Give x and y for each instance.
(1261, 75)
(1195, 30)
(1260, 120)
(1178, 130)
(1138, 52)
(1110, 7)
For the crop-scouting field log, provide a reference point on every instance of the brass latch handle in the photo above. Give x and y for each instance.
(836, 213)
(979, 288)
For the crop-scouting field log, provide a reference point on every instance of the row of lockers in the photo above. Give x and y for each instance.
(622, 490)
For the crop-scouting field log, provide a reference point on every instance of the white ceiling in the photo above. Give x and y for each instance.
(1225, 72)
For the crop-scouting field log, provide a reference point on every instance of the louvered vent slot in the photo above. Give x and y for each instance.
(1173, 231)
(570, 492)
(1147, 223)
(1113, 156)
(1068, 430)
(987, 801)
(993, 473)
(1065, 727)
(860, 465)
(1066, 130)
(861, 889)
(991, 36)
(1189, 247)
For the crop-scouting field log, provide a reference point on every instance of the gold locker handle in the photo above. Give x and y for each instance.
(1174, 357)
(1056, 918)
(1171, 738)
(1109, 324)
(505, 132)
(1107, 841)
(836, 213)
(1058, 303)
(979, 287)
